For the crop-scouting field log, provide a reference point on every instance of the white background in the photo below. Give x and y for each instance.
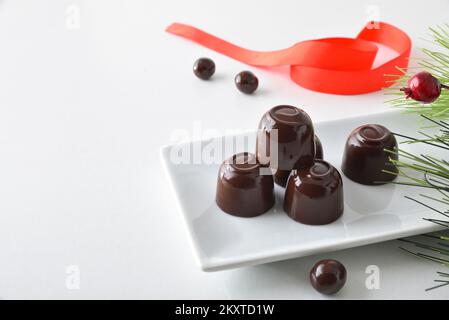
(85, 108)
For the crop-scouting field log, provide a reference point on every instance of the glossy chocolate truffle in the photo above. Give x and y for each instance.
(319, 154)
(314, 195)
(328, 276)
(364, 156)
(246, 82)
(204, 68)
(243, 189)
(293, 141)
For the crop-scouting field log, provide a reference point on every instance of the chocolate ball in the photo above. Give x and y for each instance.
(246, 82)
(314, 195)
(285, 141)
(204, 68)
(244, 187)
(328, 276)
(365, 157)
(319, 154)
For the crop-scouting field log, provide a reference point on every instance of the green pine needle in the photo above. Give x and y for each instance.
(429, 173)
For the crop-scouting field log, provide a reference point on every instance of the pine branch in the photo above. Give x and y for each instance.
(429, 173)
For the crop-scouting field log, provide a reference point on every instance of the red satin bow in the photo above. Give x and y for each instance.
(330, 65)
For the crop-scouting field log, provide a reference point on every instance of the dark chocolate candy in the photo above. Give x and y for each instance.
(364, 156)
(246, 82)
(295, 141)
(242, 188)
(314, 195)
(204, 68)
(328, 276)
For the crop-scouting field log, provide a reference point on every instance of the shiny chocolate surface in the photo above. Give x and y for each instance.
(314, 195)
(365, 157)
(246, 82)
(328, 276)
(288, 132)
(242, 189)
(204, 68)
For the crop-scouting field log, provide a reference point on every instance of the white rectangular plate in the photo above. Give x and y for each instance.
(372, 213)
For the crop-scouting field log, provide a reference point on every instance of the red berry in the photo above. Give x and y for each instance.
(423, 87)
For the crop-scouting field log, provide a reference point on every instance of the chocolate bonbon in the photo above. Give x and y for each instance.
(285, 141)
(246, 82)
(314, 195)
(243, 189)
(365, 157)
(204, 68)
(328, 276)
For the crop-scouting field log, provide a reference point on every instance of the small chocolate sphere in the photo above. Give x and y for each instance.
(244, 187)
(246, 82)
(319, 154)
(204, 68)
(285, 141)
(328, 276)
(314, 195)
(365, 157)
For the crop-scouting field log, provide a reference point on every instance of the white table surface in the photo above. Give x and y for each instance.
(86, 104)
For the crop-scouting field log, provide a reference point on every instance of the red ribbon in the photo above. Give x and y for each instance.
(330, 65)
